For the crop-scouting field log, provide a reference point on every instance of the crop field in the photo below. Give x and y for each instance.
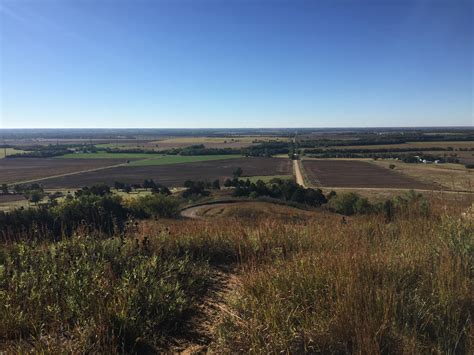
(215, 142)
(356, 173)
(179, 159)
(175, 174)
(25, 169)
(72, 141)
(9, 151)
(414, 145)
(447, 176)
(105, 155)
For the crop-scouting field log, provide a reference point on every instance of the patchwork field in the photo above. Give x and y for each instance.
(24, 169)
(356, 173)
(176, 174)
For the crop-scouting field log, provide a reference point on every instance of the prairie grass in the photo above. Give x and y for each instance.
(360, 287)
(314, 283)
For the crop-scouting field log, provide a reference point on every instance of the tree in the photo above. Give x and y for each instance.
(127, 189)
(36, 196)
(5, 189)
(216, 185)
(392, 166)
(119, 185)
(237, 173)
(149, 184)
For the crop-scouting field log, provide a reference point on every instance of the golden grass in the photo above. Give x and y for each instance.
(308, 283)
(10, 151)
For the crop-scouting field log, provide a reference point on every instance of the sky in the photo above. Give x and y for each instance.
(236, 63)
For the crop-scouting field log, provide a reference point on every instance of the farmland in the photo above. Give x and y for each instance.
(446, 176)
(106, 155)
(9, 151)
(355, 173)
(180, 159)
(175, 174)
(238, 262)
(15, 170)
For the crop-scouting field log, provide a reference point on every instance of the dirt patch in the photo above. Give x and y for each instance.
(176, 174)
(350, 173)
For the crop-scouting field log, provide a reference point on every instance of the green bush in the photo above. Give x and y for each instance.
(111, 295)
(156, 205)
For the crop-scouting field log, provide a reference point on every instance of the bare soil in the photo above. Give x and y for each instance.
(176, 174)
(13, 170)
(351, 173)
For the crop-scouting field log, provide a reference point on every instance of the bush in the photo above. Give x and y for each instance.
(156, 205)
(108, 296)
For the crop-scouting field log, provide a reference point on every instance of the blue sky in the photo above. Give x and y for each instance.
(236, 63)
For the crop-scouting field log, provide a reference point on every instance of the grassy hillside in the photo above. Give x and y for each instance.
(317, 283)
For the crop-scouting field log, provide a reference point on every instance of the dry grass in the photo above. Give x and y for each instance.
(359, 287)
(316, 283)
(10, 151)
(446, 176)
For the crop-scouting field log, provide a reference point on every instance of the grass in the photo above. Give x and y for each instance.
(178, 159)
(306, 284)
(110, 294)
(361, 287)
(105, 155)
(10, 151)
(149, 159)
(266, 178)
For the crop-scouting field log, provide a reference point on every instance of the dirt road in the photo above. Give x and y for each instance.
(298, 174)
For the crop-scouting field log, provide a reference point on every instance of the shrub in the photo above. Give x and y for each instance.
(156, 205)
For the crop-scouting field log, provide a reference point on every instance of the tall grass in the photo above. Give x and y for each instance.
(364, 287)
(314, 283)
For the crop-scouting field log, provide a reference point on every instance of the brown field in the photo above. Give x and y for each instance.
(10, 198)
(14, 170)
(447, 176)
(414, 145)
(356, 173)
(176, 174)
(78, 141)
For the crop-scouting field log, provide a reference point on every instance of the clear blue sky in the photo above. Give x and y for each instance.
(236, 63)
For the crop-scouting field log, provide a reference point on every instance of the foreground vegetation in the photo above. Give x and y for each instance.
(314, 283)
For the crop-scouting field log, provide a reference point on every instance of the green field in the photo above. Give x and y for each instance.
(177, 159)
(266, 178)
(105, 155)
